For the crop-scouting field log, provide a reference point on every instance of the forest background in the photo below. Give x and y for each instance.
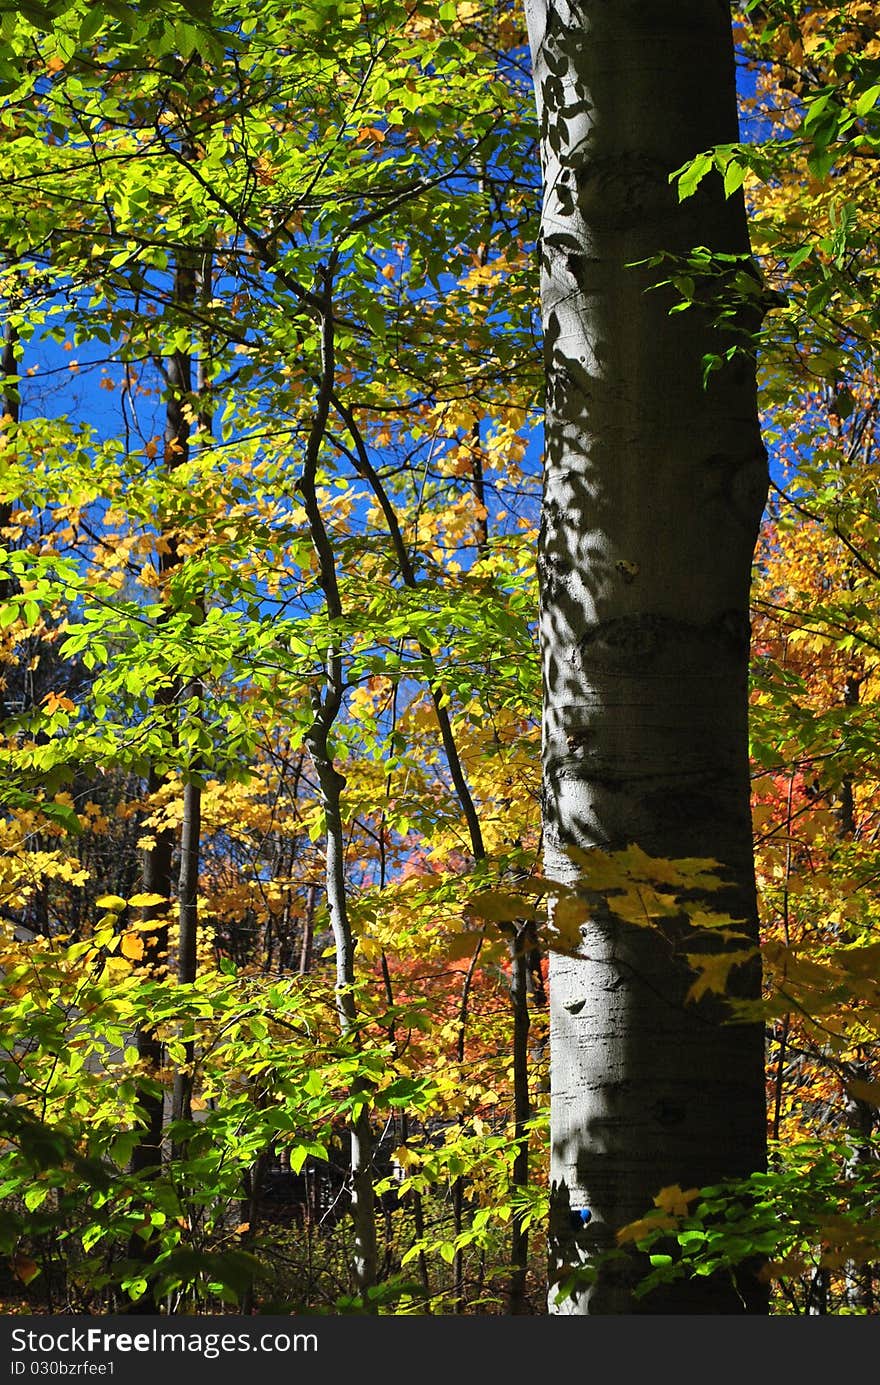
(273, 948)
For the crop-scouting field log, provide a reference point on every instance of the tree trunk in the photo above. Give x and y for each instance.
(188, 917)
(859, 1116)
(517, 1303)
(190, 283)
(326, 706)
(11, 409)
(146, 1158)
(158, 859)
(654, 489)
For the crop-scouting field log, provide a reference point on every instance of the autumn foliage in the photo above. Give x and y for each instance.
(269, 517)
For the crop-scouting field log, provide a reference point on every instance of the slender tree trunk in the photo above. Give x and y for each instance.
(846, 812)
(146, 1156)
(158, 876)
(523, 957)
(519, 999)
(654, 489)
(365, 1262)
(861, 1122)
(308, 932)
(11, 410)
(326, 705)
(478, 481)
(860, 1117)
(190, 284)
(188, 915)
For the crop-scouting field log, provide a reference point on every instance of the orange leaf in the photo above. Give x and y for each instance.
(55, 700)
(132, 947)
(25, 1268)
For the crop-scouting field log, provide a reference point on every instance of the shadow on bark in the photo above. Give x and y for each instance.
(654, 488)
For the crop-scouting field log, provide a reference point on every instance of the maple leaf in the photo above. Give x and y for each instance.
(502, 906)
(645, 1227)
(674, 1201)
(562, 931)
(53, 701)
(714, 969)
(462, 944)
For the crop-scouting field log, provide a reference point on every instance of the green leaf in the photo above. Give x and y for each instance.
(734, 177)
(867, 101)
(691, 175)
(92, 21)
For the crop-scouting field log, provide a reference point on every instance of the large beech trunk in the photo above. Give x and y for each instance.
(654, 490)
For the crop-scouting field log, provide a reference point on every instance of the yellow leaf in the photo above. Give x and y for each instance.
(638, 1230)
(641, 904)
(562, 933)
(463, 944)
(369, 948)
(111, 901)
(501, 906)
(864, 1091)
(861, 961)
(674, 1201)
(146, 901)
(405, 1157)
(714, 969)
(132, 947)
(115, 968)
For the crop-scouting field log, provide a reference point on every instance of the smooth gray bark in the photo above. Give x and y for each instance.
(654, 488)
